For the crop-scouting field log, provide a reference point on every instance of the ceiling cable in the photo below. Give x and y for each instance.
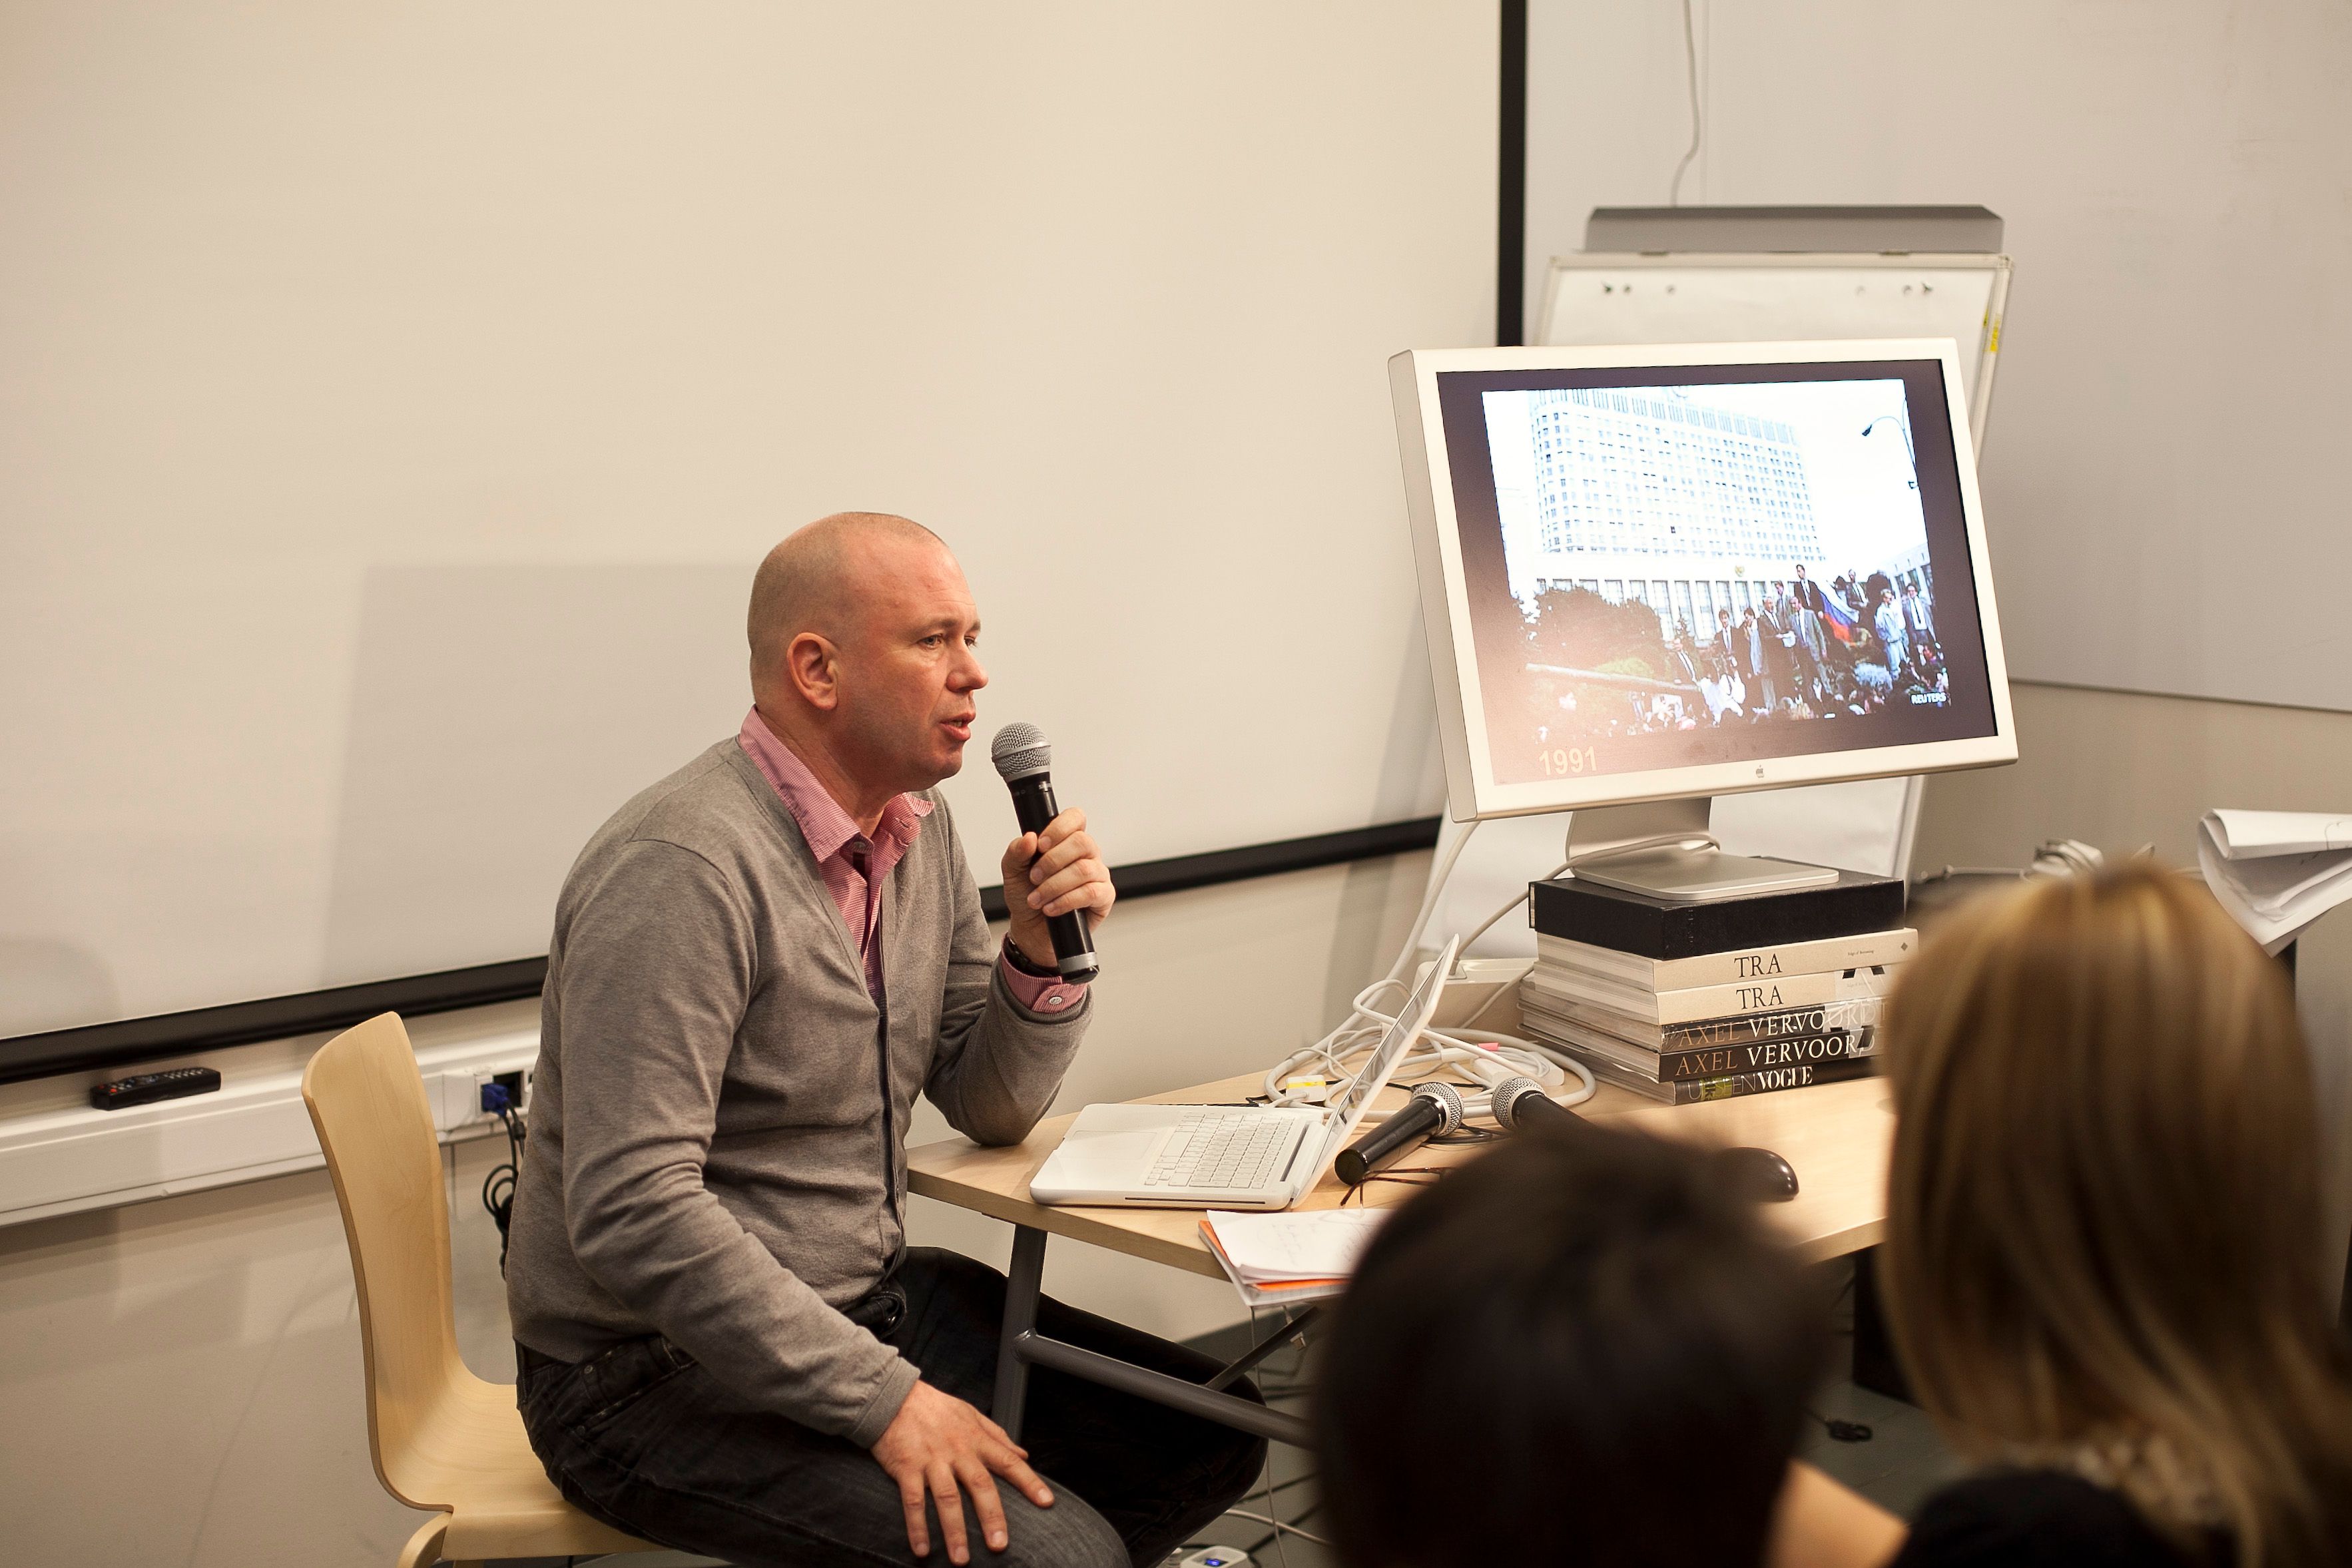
(1697, 122)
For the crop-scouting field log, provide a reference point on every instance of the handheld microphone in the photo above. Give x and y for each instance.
(1755, 1174)
(1022, 757)
(1435, 1110)
(1521, 1103)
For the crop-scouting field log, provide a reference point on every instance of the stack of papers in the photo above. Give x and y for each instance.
(2276, 872)
(1274, 1258)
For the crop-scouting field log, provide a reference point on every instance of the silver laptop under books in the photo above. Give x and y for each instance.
(1227, 1157)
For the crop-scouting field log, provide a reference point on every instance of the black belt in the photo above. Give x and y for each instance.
(879, 1309)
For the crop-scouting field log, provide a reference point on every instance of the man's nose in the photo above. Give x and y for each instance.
(969, 675)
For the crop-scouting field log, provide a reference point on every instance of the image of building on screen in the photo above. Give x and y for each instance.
(1694, 557)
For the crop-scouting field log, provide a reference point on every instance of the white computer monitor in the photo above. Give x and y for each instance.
(1657, 573)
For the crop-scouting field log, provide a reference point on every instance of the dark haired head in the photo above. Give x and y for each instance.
(1577, 1349)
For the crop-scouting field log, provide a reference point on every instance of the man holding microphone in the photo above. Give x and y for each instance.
(724, 1344)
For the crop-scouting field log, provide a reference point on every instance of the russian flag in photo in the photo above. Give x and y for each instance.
(1841, 618)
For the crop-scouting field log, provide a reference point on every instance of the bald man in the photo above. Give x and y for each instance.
(724, 1344)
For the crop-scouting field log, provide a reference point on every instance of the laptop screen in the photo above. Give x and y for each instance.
(1401, 1034)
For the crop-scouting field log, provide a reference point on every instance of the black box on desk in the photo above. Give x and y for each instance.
(1584, 911)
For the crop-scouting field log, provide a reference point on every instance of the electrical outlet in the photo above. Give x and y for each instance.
(1472, 994)
(517, 1085)
(459, 1094)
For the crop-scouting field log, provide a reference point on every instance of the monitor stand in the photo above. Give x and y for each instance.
(1682, 875)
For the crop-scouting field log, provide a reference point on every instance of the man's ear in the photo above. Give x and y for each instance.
(810, 666)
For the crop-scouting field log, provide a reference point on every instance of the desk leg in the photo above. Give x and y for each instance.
(1022, 1287)
(1022, 1345)
(1875, 1364)
(1290, 1332)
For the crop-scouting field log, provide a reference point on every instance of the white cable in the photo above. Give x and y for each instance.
(1281, 1528)
(1439, 876)
(1655, 842)
(1488, 924)
(1698, 124)
(1583, 1074)
(1271, 1517)
(1486, 1054)
(2065, 857)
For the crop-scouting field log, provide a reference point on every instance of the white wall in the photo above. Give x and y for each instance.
(180, 1382)
(2161, 484)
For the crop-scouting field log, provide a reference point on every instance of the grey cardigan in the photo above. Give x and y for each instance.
(712, 1119)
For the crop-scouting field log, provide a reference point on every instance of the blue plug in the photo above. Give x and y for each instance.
(495, 1099)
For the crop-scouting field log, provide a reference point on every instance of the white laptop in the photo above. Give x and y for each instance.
(1225, 1156)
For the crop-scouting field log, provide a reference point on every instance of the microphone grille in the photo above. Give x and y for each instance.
(1506, 1098)
(1019, 750)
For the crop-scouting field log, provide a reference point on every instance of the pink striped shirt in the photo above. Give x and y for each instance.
(854, 867)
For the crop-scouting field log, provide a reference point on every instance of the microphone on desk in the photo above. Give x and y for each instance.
(1520, 1103)
(1022, 757)
(1435, 1110)
(1758, 1175)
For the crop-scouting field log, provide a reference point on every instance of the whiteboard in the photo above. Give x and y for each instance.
(1591, 299)
(401, 397)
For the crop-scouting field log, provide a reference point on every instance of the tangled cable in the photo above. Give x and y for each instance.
(498, 1186)
(1486, 1055)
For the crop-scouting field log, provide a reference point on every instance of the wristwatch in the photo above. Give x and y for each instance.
(1020, 960)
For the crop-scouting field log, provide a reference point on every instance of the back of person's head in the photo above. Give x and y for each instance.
(2104, 1228)
(1576, 1349)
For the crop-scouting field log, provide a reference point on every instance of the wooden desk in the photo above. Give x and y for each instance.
(1836, 1136)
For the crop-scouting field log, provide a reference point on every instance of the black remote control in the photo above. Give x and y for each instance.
(149, 1087)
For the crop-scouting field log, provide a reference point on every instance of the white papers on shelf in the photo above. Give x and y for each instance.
(2239, 834)
(2276, 872)
(1294, 1256)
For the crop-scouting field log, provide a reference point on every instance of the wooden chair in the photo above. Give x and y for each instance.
(443, 1440)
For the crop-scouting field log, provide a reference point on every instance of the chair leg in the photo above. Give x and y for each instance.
(424, 1548)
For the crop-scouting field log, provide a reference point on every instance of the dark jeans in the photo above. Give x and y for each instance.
(645, 1438)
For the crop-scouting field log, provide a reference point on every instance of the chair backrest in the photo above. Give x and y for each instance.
(367, 1102)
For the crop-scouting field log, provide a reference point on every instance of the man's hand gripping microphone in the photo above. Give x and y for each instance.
(1023, 758)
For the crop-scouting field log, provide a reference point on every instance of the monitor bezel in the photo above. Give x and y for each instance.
(1472, 790)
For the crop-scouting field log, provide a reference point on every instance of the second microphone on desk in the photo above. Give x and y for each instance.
(1435, 1110)
(1755, 1174)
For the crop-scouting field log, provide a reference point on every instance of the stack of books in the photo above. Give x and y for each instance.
(1683, 1002)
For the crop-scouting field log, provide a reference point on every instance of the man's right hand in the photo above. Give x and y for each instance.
(938, 1443)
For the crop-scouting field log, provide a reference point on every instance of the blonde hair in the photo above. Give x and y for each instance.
(2104, 1231)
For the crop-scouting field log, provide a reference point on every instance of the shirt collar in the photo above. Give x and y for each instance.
(823, 822)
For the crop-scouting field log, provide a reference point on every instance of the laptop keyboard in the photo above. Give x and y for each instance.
(1222, 1149)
